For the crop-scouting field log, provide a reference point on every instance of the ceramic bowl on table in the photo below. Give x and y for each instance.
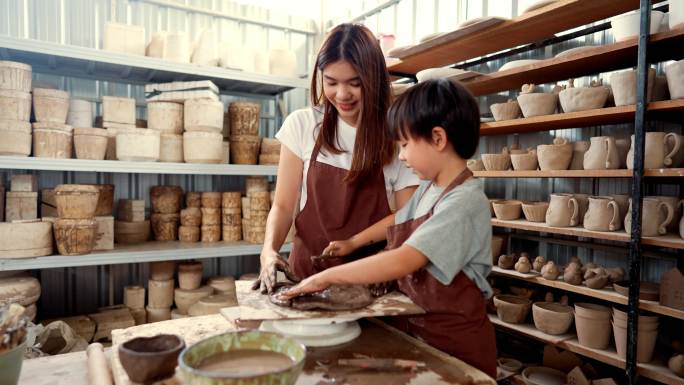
(193, 358)
(147, 359)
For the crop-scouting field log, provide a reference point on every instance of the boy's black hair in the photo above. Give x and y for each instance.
(437, 102)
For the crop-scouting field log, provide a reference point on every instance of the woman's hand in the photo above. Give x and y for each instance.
(271, 263)
(339, 248)
(314, 283)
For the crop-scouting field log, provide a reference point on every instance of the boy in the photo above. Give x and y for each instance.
(440, 242)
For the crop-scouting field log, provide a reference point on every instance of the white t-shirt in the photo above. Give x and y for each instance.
(298, 133)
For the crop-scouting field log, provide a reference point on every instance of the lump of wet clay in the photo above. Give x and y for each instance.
(335, 297)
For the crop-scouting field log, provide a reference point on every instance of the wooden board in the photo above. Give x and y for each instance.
(63, 369)
(256, 306)
(555, 174)
(531, 331)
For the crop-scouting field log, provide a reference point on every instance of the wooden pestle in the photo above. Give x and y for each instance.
(98, 370)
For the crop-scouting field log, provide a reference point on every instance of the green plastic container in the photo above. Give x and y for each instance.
(10, 365)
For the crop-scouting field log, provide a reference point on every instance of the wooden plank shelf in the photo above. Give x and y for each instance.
(652, 173)
(596, 117)
(654, 370)
(672, 241)
(610, 57)
(527, 28)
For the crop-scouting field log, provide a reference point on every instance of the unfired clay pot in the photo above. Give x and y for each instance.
(506, 111)
(475, 165)
(525, 162)
(166, 199)
(624, 86)
(189, 275)
(602, 154)
(511, 308)
(583, 98)
(675, 79)
(593, 325)
(556, 156)
(506, 261)
(507, 210)
(536, 103)
(655, 217)
(673, 203)
(550, 271)
(538, 263)
(535, 211)
(579, 148)
(563, 211)
(646, 339)
(676, 364)
(497, 162)
(656, 150)
(551, 317)
(523, 265)
(603, 215)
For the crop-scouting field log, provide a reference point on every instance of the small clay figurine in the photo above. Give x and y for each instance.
(538, 263)
(523, 265)
(573, 274)
(506, 261)
(589, 265)
(550, 271)
(615, 274)
(596, 278)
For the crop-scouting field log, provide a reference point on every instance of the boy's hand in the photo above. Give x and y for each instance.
(339, 248)
(312, 284)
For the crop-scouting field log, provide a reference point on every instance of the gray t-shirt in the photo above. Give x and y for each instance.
(458, 235)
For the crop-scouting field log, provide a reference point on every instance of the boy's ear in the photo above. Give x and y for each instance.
(439, 138)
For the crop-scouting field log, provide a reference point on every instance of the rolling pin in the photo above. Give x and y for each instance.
(98, 370)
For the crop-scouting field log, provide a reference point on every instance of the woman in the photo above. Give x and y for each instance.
(338, 160)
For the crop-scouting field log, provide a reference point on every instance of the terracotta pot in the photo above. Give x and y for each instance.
(55, 142)
(166, 117)
(535, 211)
(90, 143)
(602, 154)
(244, 149)
(538, 104)
(203, 115)
(646, 340)
(603, 215)
(655, 217)
(165, 226)
(244, 118)
(507, 210)
(475, 165)
(160, 293)
(162, 271)
(511, 308)
(191, 216)
(76, 201)
(552, 318)
(211, 199)
(186, 298)
(675, 79)
(497, 162)
(579, 148)
(16, 138)
(166, 199)
(189, 275)
(624, 86)
(591, 310)
(556, 156)
(75, 236)
(131, 232)
(583, 98)
(563, 211)
(189, 233)
(522, 162)
(202, 147)
(506, 111)
(593, 332)
(146, 359)
(50, 105)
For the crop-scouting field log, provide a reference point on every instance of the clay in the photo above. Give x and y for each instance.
(118, 110)
(203, 147)
(675, 78)
(191, 216)
(579, 148)
(525, 162)
(506, 261)
(673, 202)
(131, 232)
(189, 234)
(602, 154)
(154, 314)
(648, 291)
(523, 265)
(134, 297)
(211, 304)
(98, 369)
(231, 233)
(146, 359)
(563, 211)
(193, 199)
(211, 216)
(506, 111)
(538, 263)
(244, 149)
(244, 118)
(497, 245)
(105, 200)
(596, 278)
(536, 103)
(130, 210)
(588, 266)
(676, 364)
(556, 156)
(160, 293)
(550, 271)
(573, 274)
(211, 199)
(166, 117)
(186, 298)
(211, 233)
(166, 199)
(335, 297)
(76, 201)
(672, 289)
(75, 236)
(165, 226)
(512, 309)
(615, 274)
(138, 145)
(552, 318)
(52, 143)
(583, 98)
(475, 165)
(655, 217)
(497, 162)
(603, 214)
(577, 377)
(535, 211)
(50, 105)
(624, 85)
(561, 360)
(507, 209)
(646, 340)
(593, 325)
(189, 275)
(231, 200)
(162, 271)
(658, 155)
(244, 362)
(171, 148)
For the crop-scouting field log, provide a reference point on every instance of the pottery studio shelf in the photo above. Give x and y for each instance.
(145, 252)
(117, 166)
(528, 28)
(596, 117)
(655, 370)
(90, 63)
(672, 241)
(606, 294)
(663, 173)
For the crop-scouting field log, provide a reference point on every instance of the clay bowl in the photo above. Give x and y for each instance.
(507, 210)
(552, 318)
(147, 359)
(496, 162)
(525, 162)
(535, 211)
(540, 375)
(506, 111)
(648, 291)
(554, 156)
(191, 358)
(583, 98)
(538, 104)
(511, 308)
(646, 322)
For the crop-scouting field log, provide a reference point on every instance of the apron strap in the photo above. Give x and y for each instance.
(460, 178)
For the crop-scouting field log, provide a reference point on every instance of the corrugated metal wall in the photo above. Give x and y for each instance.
(68, 291)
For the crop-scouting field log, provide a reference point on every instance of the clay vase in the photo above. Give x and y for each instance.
(676, 364)
(550, 271)
(523, 265)
(593, 325)
(623, 145)
(655, 216)
(563, 211)
(556, 156)
(603, 215)
(678, 157)
(602, 154)
(624, 86)
(578, 149)
(656, 152)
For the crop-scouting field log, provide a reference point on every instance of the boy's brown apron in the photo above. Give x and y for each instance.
(335, 210)
(456, 321)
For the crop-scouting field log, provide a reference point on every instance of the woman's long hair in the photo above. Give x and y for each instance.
(374, 146)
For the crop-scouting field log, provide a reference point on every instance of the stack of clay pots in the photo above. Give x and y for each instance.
(134, 300)
(270, 151)
(22, 199)
(647, 335)
(76, 228)
(104, 218)
(203, 123)
(244, 132)
(167, 118)
(118, 114)
(160, 291)
(166, 205)
(231, 216)
(89, 142)
(189, 290)
(211, 216)
(15, 108)
(52, 137)
(21, 289)
(255, 209)
(191, 218)
(131, 226)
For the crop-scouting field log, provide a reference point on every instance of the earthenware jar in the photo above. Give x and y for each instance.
(556, 156)
(578, 149)
(656, 147)
(602, 154)
(655, 216)
(603, 215)
(563, 211)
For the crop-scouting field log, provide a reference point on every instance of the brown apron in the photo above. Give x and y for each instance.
(335, 210)
(456, 321)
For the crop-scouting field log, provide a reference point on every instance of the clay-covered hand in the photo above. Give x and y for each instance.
(312, 284)
(382, 288)
(339, 248)
(271, 263)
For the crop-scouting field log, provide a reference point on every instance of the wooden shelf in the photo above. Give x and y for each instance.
(597, 117)
(672, 241)
(654, 370)
(555, 174)
(528, 28)
(663, 46)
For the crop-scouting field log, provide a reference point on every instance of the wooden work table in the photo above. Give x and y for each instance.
(377, 340)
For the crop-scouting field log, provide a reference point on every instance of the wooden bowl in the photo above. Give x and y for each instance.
(147, 359)
(648, 291)
(511, 308)
(552, 318)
